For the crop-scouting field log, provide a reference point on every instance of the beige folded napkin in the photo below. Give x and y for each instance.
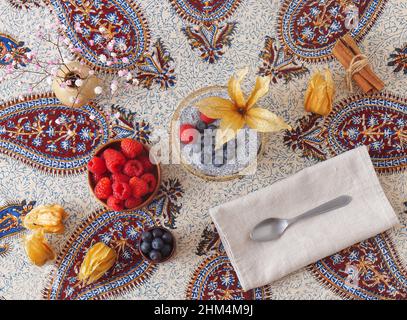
(259, 263)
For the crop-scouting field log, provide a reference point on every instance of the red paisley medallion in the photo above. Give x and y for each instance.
(368, 270)
(118, 230)
(48, 135)
(92, 25)
(215, 279)
(310, 28)
(378, 121)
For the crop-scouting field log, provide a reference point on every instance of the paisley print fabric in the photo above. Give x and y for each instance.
(12, 51)
(48, 135)
(378, 121)
(175, 48)
(310, 28)
(215, 279)
(102, 22)
(207, 35)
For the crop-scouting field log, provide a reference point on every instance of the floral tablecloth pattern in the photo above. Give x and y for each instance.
(176, 47)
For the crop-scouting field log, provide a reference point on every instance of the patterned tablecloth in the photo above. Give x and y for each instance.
(179, 46)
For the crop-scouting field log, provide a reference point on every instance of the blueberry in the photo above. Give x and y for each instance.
(167, 237)
(147, 236)
(166, 250)
(155, 255)
(157, 233)
(157, 243)
(145, 247)
(201, 126)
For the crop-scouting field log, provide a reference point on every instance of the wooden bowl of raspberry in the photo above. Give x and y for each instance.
(122, 177)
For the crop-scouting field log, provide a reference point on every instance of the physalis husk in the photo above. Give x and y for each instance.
(48, 218)
(99, 259)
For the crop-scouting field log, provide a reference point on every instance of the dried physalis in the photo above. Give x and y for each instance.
(48, 218)
(320, 92)
(98, 260)
(38, 249)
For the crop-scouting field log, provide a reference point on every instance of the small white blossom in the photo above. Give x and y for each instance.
(98, 90)
(78, 82)
(102, 58)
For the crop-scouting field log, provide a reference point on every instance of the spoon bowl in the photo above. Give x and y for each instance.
(273, 228)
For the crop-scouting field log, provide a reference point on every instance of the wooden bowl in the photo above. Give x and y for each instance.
(115, 144)
(173, 245)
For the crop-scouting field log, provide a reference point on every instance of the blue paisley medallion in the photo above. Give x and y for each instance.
(12, 51)
(309, 29)
(10, 221)
(101, 22)
(44, 133)
(120, 231)
(378, 121)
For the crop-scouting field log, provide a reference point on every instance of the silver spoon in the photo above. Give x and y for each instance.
(273, 228)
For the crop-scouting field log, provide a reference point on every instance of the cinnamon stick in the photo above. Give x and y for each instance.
(367, 72)
(344, 56)
(344, 50)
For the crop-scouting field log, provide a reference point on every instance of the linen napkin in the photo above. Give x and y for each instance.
(311, 239)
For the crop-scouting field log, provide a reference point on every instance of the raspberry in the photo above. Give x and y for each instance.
(133, 168)
(115, 204)
(151, 181)
(120, 177)
(146, 163)
(131, 148)
(139, 187)
(115, 160)
(121, 190)
(133, 202)
(206, 119)
(97, 177)
(188, 133)
(96, 165)
(103, 188)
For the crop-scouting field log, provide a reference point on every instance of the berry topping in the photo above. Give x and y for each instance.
(96, 165)
(188, 133)
(122, 190)
(103, 188)
(131, 148)
(151, 181)
(115, 204)
(115, 160)
(133, 202)
(201, 126)
(138, 186)
(206, 119)
(133, 168)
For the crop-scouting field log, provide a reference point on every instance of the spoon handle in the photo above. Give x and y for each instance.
(333, 204)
